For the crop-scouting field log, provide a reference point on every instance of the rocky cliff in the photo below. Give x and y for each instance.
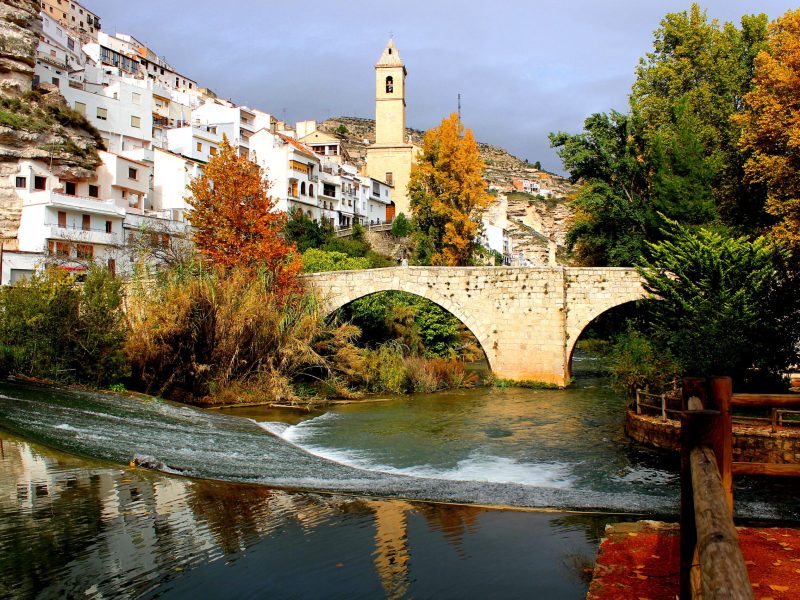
(531, 220)
(34, 123)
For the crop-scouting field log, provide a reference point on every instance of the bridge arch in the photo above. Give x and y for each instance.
(334, 298)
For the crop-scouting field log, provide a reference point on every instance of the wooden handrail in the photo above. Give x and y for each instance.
(707, 529)
(766, 400)
(722, 568)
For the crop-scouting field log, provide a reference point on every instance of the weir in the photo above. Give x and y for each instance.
(526, 319)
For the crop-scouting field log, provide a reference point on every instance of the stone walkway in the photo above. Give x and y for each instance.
(640, 561)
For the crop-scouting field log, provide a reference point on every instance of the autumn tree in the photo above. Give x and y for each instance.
(448, 195)
(771, 129)
(235, 221)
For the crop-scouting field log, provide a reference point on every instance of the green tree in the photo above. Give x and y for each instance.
(401, 227)
(307, 233)
(447, 195)
(699, 72)
(719, 304)
(610, 222)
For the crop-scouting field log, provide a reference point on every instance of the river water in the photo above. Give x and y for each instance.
(75, 524)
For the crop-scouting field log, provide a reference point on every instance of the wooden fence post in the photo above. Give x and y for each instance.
(663, 407)
(638, 406)
(722, 390)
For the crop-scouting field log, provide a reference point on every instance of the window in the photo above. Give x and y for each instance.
(311, 189)
(69, 188)
(108, 226)
(303, 188)
(58, 248)
(21, 182)
(293, 189)
(85, 251)
(62, 219)
(80, 107)
(124, 194)
(212, 151)
(55, 80)
(39, 183)
(389, 179)
(389, 84)
(136, 121)
(102, 113)
(199, 146)
(86, 222)
(136, 98)
(133, 173)
(94, 191)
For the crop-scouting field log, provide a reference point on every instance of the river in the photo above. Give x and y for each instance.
(333, 504)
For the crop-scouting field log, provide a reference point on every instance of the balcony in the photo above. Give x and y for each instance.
(88, 205)
(84, 236)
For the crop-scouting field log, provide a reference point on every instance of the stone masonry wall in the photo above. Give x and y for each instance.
(526, 319)
(750, 444)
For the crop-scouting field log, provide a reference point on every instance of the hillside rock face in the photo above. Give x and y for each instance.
(34, 124)
(531, 221)
(19, 34)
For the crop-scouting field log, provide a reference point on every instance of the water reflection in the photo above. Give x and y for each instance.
(70, 527)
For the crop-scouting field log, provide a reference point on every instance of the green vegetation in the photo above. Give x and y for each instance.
(52, 327)
(664, 188)
(401, 226)
(315, 261)
(523, 383)
(34, 113)
(676, 152)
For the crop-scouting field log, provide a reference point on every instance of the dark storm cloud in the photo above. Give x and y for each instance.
(523, 68)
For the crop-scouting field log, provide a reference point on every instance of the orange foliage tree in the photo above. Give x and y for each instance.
(235, 221)
(447, 195)
(771, 126)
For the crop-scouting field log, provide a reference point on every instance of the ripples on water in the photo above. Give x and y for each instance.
(70, 527)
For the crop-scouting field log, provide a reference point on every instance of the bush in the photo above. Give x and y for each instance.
(638, 363)
(307, 233)
(315, 261)
(401, 226)
(52, 327)
(229, 336)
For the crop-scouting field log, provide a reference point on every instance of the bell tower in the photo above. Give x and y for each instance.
(390, 97)
(390, 158)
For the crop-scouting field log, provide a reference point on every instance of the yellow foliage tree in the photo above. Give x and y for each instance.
(771, 126)
(447, 195)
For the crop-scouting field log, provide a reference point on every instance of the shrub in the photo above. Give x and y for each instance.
(230, 336)
(401, 226)
(54, 328)
(638, 363)
(315, 261)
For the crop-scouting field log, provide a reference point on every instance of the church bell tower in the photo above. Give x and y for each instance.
(390, 97)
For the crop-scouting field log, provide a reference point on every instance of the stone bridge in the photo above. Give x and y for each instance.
(527, 319)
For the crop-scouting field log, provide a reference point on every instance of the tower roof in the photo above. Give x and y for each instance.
(390, 56)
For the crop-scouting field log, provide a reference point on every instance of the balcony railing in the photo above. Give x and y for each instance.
(80, 235)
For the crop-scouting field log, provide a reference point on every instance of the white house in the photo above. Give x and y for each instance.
(66, 219)
(120, 111)
(292, 169)
(198, 143)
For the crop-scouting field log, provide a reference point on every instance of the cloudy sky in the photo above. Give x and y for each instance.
(523, 68)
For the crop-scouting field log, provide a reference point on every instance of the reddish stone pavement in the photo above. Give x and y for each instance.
(640, 561)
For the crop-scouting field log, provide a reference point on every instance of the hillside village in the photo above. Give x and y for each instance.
(100, 135)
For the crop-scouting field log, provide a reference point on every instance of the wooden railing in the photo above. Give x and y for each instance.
(712, 565)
